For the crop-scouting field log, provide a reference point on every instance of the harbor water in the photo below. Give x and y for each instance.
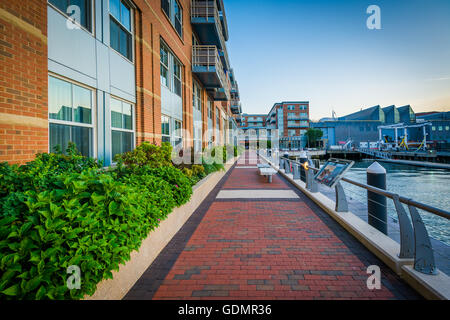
(426, 185)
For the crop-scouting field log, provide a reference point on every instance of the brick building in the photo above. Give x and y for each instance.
(110, 74)
(291, 119)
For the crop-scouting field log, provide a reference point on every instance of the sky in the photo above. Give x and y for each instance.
(322, 51)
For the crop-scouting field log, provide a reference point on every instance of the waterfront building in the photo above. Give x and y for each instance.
(362, 126)
(290, 118)
(124, 72)
(439, 131)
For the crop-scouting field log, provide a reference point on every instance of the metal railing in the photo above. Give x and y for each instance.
(208, 57)
(375, 153)
(209, 11)
(414, 239)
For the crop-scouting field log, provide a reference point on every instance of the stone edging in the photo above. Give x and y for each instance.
(124, 279)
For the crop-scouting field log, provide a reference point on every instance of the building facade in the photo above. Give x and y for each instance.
(363, 126)
(290, 121)
(110, 74)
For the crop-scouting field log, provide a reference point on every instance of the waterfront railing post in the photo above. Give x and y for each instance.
(376, 203)
(303, 159)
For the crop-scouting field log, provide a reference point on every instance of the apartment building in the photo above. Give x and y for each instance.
(290, 119)
(110, 74)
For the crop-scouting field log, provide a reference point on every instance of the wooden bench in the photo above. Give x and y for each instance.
(266, 170)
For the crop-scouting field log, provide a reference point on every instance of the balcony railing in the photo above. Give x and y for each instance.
(207, 57)
(208, 10)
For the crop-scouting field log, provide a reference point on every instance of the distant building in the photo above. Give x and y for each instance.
(362, 126)
(439, 132)
(290, 118)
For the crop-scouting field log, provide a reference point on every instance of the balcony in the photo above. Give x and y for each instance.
(236, 107)
(207, 23)
(206, 65)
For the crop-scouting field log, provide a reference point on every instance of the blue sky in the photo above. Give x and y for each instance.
(322, 51)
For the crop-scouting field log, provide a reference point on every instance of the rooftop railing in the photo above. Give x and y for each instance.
(414, 239)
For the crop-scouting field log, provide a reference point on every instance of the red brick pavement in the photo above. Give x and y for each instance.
(268, 249)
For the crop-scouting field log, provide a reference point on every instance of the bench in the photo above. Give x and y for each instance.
(267, 171)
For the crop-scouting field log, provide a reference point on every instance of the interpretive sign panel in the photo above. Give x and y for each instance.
(333, 171)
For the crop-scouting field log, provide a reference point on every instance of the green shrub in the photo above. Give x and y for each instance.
(147, 154)
(181, 185)
(62, 210)
(91, 221)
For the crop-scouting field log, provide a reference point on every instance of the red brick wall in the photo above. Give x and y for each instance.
(152, 24)
(23, 80)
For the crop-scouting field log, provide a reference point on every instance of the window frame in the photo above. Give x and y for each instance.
(172, 60)
(172, 17)
(66, 15)
(93, 125)
(121, 26)
(133, 122)
(170, 125)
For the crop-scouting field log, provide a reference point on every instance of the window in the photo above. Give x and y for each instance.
(178, 139)
(164, 66)
(447, 128)
(165, 128)
(440, 128)
(120, 28)
(122, 131)
(292, 133)
(85, 10)
(433, 128)
(291, 107)
(177, 77)
(303, 107)
(210, 109)
(171, 70)
(174, 12)
(197, 97)
(70, 116)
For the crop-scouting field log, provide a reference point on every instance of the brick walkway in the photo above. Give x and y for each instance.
(263, 249)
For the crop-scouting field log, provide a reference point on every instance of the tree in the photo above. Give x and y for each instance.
(313, 136)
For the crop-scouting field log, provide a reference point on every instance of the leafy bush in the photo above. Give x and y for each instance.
(91, 221)
(147, 154)
(63, 210)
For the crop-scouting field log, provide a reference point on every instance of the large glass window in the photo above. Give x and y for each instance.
(291, 107)
(85, 6)
(197, 97)
(164, 54)
(174, 12)
(165, 129)
(177, 138)
(177, 77)
(122, 131)
(70, 116)
(171, 70)
(210, 109)
(121, 37)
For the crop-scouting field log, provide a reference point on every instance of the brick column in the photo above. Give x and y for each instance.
(23, 80)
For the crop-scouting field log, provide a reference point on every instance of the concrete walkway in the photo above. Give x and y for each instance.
(263, 245)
